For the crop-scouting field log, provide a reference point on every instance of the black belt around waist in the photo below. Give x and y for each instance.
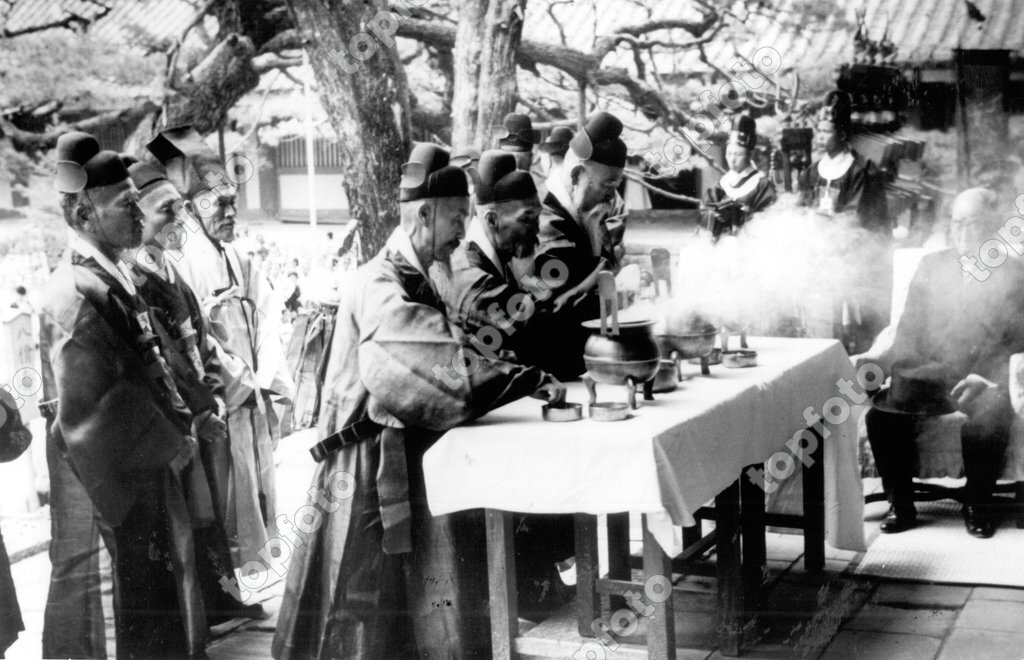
(362, 430)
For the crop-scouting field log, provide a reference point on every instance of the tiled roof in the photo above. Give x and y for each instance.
(159, 19)
(924, 31)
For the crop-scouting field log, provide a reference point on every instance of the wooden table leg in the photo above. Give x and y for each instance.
(755, 556)
(588, 603)
(814, 509)
(618, 553)
(661, 625)
(501, 576)
(730, 581)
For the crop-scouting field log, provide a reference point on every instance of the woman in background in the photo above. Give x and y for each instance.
(743, 190)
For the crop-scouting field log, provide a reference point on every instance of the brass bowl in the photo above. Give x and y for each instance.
(690, 345)
(633, 353)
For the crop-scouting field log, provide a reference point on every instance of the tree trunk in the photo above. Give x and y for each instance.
(366, 98)
(486, 44)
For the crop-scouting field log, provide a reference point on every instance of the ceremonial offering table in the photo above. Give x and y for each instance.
(670, 459)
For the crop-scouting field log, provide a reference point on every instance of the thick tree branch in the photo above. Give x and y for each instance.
(69, 22)
(28, 141)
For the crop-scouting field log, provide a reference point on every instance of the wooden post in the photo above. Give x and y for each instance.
(588, 603)
(501, 576)
(618, 553)
(661, 627)
(730, 582)
(754, 551)
(814, 509)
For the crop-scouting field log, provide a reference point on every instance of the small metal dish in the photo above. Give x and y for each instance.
(713, 358)
(739, 358)
(609, 412)
(567, 412)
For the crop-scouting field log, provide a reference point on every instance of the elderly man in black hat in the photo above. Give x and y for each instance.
(575, 242)
(743, 190)
(483, 292)
(368, 582)
(498, 314)
(244, 323)
(554, 147)
(519, 139)
(956, 336)
(120, 421)
(197, 370)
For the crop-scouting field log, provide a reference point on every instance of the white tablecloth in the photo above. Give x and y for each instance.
(675, 454)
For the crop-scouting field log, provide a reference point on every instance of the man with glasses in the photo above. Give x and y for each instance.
(244, 323)
(964, 330)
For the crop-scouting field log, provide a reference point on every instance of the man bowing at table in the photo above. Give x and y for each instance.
(575, 241)
(244, 322)
(378, 577)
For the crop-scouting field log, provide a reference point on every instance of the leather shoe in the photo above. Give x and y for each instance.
(978, 524)
(898, 520)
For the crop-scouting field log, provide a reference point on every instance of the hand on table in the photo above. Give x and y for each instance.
(969, 389)
(551, 391)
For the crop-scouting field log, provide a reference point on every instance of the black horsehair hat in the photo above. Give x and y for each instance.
(599, 141)
(186, 143)
(558, 142)
(429, 175)
(498, 180)
(744, 132)
(81, 164)
(520, 135)
(147, 176)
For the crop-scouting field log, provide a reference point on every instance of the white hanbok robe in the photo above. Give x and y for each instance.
(245, 322)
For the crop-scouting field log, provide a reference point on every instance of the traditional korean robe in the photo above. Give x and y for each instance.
(483, 292)
(197, 372)
(244, 323)
(750, 189)
(481, 284)
(370, 582)
(846, 184)
(567, 243)
(850, 185)
(120, 422)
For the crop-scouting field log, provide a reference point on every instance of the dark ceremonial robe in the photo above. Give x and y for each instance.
(352, 590)
(14, 440)
(847, 184)
(485, 300)
(750, 190)
(484, 293)
(969, 326)
(120, 422)
(197, 372)
(565, 257)
(73, 621)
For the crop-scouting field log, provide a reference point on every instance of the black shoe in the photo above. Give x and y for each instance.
(978, 523)
(899, 520)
